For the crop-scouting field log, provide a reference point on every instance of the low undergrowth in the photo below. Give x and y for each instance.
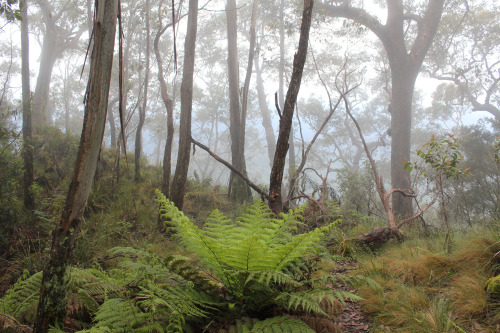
(423, 289)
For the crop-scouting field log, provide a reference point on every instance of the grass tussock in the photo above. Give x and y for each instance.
(423, 289)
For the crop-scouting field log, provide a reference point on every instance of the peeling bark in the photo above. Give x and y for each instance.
(56, 275)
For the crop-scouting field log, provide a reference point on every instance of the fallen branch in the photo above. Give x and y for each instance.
(256, 188)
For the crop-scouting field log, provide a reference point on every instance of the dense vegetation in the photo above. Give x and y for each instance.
(223, 272)
(364, 196)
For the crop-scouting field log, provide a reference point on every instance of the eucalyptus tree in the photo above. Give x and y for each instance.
(61, 29)
(180, 176)
(56, 275)
(406, 36)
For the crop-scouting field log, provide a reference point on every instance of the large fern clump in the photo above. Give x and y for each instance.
(256, 260)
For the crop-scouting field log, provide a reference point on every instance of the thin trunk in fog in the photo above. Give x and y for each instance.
(246, 87)
(237, 187)
(111, 122)
(56, 275)
(167, 101)
(29, 200)
(266, 116)
(142, 110)
(181, 170)
(276, 179)
(405, 66)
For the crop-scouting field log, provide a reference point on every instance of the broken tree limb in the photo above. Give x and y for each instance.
(256, 188)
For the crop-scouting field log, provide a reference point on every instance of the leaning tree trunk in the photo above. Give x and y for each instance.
(181, 169)
(29, 200)
(56, 275)
(276, 179)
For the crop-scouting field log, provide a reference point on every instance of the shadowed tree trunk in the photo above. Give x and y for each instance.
(405, 65)
(29, 200)
(56, 275)
(276, 179)
(181, 169)
(142, 111)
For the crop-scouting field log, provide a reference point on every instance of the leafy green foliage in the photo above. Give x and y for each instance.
(256, 260)
(270, 325)
(8, 9)
(442, 155)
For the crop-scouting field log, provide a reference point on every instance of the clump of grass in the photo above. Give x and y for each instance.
(426, 290)
(468, 296)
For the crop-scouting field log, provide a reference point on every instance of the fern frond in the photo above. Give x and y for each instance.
(22, 298)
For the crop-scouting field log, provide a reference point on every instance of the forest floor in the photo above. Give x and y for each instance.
(352, 319)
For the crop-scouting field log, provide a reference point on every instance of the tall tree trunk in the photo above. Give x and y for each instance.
(276, 179)
(142, 111)
(266, 117)
(56, 275)
(167, 101)
(403, 82)
(29, 200)
(181, 169)
(237, 186)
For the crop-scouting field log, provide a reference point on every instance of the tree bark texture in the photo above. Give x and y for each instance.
(299, 60)
(56, 275)
(405, 65)
(29, 200)
(142, 111)
(181, 169)
(237, 186)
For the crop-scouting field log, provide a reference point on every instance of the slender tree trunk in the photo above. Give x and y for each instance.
(167, 101)
(181, 170)
(111, 123)
(237, 187)
(56, 275)
(266, 117)
(29, 200)
(142, 111)
(276, 179)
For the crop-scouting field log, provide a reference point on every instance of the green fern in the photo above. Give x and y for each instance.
(271, 325)
(20, 301)
(258, 259)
